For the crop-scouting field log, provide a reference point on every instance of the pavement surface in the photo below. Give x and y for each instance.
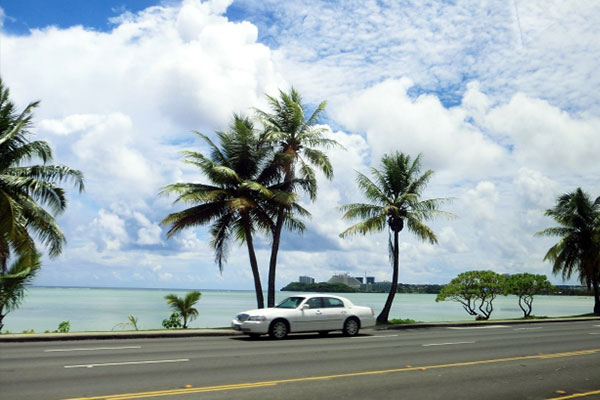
(495, 360)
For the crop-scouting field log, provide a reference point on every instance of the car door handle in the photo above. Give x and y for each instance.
(318, 313)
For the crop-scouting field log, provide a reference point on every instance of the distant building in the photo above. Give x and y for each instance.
(346, 280)
(360, 279)
(306, 279)
(370, 279)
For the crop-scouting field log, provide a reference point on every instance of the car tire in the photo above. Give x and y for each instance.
(351, 327)
(278, 329)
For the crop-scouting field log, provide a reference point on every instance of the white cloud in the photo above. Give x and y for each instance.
(70, 124)
(393, 120)
(537, 190)
(148, 233)
(111, 229)
(545, 136)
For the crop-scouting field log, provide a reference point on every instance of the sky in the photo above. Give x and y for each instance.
(500, 98)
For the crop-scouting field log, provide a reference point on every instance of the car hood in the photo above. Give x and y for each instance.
(267, 312)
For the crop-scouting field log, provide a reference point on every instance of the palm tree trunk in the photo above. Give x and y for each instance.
(289, 175)
(3, 257)
(260, 301)
(273, 260)
(382, 318)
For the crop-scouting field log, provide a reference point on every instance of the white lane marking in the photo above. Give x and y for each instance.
(478, 327)
(527, 329)
(374, 336)
(445, 344)
(92, 349)
(114, 364)
(594, 333)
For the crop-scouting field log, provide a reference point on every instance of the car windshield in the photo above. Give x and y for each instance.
(290, 302)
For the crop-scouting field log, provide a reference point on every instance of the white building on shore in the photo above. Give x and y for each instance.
(346, 280)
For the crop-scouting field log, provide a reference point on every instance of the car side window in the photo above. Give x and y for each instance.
(331, 302)
(315, 302)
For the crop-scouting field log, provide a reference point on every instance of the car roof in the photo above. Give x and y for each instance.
(309, 295)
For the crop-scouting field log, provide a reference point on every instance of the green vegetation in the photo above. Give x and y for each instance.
(475, 291)
(234, 202)
(254, 178)
(322, 287)
(404, 321)
(25, 193)
(173, 322)
(525, 286)
(64, 327)
(297, 142)
(395, 197)
(132, 322)
(578, 248)
(184, 306)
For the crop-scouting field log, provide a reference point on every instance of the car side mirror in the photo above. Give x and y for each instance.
(305, 306)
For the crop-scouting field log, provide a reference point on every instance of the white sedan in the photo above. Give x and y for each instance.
(305, 313)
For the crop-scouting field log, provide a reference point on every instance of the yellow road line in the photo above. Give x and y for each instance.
(145, 395)
(576, 395)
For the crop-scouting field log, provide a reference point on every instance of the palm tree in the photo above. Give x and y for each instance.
(27, 190)
(578, 249)
(14, 281)
(297, 140)
(184, 306)
(395, 196)
(237, 202)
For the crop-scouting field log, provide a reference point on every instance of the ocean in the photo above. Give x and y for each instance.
(95, 309)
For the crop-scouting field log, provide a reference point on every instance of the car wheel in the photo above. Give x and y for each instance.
(351, 327)
(278, 329)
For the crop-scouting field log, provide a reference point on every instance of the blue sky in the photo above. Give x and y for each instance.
(499, 97)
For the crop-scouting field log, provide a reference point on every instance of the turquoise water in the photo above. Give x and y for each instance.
(92, 309)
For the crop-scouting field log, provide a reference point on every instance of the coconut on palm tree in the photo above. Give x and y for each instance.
(578, 249)
(298, 141)
(184, 306)
(240, 197)
(30, 197)
(395, 202)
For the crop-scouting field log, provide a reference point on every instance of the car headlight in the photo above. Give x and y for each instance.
(261, 318)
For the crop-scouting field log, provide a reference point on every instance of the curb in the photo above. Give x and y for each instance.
(482, 323)
(51, 337)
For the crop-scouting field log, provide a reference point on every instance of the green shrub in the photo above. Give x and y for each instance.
(64, 327)
(173, 322)
(403, 321)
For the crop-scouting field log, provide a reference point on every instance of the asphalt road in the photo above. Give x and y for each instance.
(539, 361)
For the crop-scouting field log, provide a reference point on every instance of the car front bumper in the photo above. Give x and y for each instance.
(260, 327)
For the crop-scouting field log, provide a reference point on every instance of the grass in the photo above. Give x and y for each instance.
(401, 321)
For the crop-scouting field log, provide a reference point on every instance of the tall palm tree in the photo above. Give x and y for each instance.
(236, 203)
(395, 196)
(184, 305)
(298, 140)
(578, 249)
(27, 190)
